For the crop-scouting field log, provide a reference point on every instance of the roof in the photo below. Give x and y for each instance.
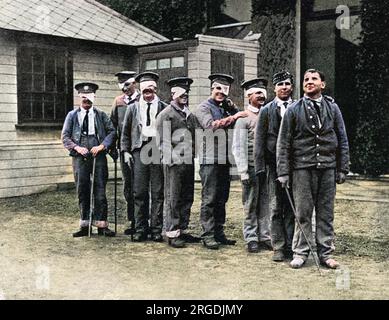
(80, 19)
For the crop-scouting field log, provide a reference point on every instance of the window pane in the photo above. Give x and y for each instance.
(25, 82)
(25, 106)
(37, 107)
(151, 64)
(37, 62)
(38, 82)
(164, 63)
(178, 62)
(49, 111)
(60, 107)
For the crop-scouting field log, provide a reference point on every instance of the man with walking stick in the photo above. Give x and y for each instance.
(88, 134)
(313, 148)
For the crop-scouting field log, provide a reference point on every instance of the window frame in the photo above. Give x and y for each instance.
(26, 52)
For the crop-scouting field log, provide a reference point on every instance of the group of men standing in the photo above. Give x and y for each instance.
(300, 145)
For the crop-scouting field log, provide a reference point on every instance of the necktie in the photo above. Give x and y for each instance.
(285, 104)
(85, 124)
(148, 114)
(317, 108)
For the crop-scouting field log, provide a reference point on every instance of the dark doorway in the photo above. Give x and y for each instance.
(233, 64)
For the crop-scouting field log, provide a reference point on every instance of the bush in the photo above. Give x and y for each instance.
(370, 155)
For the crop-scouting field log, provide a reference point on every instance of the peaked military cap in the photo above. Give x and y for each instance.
(147, 76)
(221, 78)
(282, 76)
(86, 87)
(123, 76)
(254, 83)
(183, 82)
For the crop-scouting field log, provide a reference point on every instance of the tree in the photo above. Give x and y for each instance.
(370, 155)
(173, 19)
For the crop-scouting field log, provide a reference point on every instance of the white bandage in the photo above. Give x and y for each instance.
(177, 92)
(90, 96)
(130, 80)
(147, 85)
(225, 89)
(251, 91)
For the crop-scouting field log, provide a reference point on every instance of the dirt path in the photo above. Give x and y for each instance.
(40, 260)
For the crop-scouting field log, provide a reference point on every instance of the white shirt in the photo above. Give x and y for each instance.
(91, 119)
(148, 131)
(281, 104)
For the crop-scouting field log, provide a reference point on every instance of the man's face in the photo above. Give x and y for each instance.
(183, 99)
(217, 94)
(283, 89)
(129, 87)
(313, 85)
(148, 94)
(85, 102)
(257, 99)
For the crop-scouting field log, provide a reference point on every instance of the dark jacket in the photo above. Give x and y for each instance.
(71, 132)
(302, 143)
(266, 135)
(132, 127)
(180, 138)
(118, 111)
(211, 151)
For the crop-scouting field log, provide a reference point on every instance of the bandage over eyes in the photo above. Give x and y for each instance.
(147, 85)
(177, 92)
(121, 85)
(251, 91)
(224, 88)
(90, 96)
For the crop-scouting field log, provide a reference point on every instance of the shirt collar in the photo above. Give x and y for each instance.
(83, 111)
(281, 102)
(318, 100)
(252, 109)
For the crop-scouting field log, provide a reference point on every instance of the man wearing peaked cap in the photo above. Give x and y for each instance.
(88, 133)
(254, 196)
(139, 145)
(126, 82)
(313, 152)
(216, 116)
(281, 215)
(176, 130)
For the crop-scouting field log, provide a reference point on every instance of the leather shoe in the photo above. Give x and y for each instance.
(105, 232)
(139, 237)
(252, 247)
(266, 245)
(176, 242)
(278, 256)
(129, 231)
(189, 238)
(157, 237)
(83, 232)
(222, 239)
(210, 243)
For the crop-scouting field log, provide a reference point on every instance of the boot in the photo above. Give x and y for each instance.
(83, 232)
(156, 237)
(210, 243)
(252, 247)
(139, 237)
(222, 239)
(176, 242)
(105, 232)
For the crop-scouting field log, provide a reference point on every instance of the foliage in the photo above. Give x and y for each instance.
(174, 18)
(371, 153)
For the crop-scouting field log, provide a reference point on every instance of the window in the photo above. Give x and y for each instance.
(45, 85)
(165, 63)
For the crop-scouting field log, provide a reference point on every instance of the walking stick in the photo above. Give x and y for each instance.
(301, 228)
(92, 200)
(115, 192)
